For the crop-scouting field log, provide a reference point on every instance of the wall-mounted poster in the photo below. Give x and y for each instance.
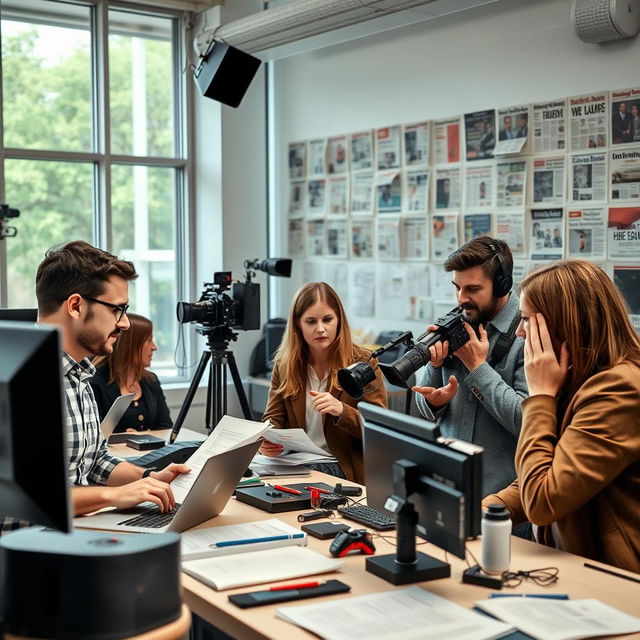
(446, 140)
(625, 116)
(297, 159)
(480, 134)
(337, 155)
(361, 150)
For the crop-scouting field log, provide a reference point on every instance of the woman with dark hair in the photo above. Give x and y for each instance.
(304, 386)
(124, 371)
(578, 456)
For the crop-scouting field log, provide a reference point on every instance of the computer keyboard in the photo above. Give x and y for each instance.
(160, 458)
(152, 517)
(368, 516)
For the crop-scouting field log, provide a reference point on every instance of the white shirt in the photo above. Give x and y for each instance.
(314, 418)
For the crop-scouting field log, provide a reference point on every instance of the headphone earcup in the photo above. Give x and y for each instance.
(502, 284)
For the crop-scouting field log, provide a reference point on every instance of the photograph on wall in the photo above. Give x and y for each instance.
(337, 155)
(510, 228)
(415, 232)
(362, 193)
(388, 192)
(416, 144)
(339, 195)
(297, 228)
(361, 150)
(624, 171)
(316, 158)
(513, 130)
(548, 180)
(623, 233)
(337, 238)
(627, 279)
(388, 233)
(297, 196)
(476, 225)
(315, 238)
(511, 183)
(362, 238)
(479, 134)
(388, 143)
(362, 290)
(479, 186)
(316, 196)
(417, 187)
(587, 233)
(446, 140)
(588, 177)
(589, 121)
(444, 235)
(625, 116)
(297, 159)
(547, 242)
(448, 188)
(549, 126)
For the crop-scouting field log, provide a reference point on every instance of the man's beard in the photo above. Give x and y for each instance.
(480, 316)
(95, 343)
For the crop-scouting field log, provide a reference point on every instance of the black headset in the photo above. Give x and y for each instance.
(502, 279)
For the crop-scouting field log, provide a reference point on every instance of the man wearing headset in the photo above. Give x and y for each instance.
(477, 391)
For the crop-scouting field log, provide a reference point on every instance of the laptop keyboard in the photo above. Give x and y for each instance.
(152, 518)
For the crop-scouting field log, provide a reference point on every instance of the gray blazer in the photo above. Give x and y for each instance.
(487, 408)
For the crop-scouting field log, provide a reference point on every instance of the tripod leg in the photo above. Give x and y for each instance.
(244, 403)
(209, 424)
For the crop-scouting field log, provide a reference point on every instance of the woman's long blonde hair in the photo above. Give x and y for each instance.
(583, 308)
(292, 357)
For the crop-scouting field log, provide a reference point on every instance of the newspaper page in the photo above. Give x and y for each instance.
(624, 233)
(297, 191)
(418, 281)
(315, 238)
(316, 196)
(547, 242)
(625, 116)
(388, 142)
(588, 179)
(549, 126)
(337, 155)
(548, 180)
(388, 232)
(448, 188)
(317, 154)
(589, 121)
(520, 270)
(362, 238)
(312, 271)
(297, 227)
(417, 191)
(416, 144)
(362, 193)
(627, 279)
(476, 225)
(441, 288)
(511, 183)
(587, 232)
(446, 140)
(337, 238)
(510, 228)
(338, 195)
(479, 134)
(388, 192)
(361, 150)
(362, 290)
(336, 274)
(415, 233)
(444, 235)
(625, 174)
(513, 130)
(479, 186)
(297, 160)
(398, 287)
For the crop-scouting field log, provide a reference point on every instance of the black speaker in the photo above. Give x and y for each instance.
(225, 73)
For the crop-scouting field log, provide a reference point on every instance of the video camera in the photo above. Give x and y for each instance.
(7, 212)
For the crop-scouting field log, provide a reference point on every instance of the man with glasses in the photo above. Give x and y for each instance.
(84, 291)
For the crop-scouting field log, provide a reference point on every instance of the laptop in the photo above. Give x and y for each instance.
(110, 421)
(206, 498)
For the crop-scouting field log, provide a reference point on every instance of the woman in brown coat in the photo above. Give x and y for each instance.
(578, 456)
(304, 387)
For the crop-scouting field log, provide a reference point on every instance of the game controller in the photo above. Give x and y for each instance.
(359, 540)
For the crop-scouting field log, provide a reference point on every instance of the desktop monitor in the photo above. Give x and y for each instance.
(33, 455)
(273, 334)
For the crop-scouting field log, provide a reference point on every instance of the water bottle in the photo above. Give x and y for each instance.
(496, 539)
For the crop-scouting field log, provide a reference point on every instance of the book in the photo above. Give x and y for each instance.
(202, 543)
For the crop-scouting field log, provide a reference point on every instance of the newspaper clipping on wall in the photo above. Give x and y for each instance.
(624, 169)
(388, 142)
(339, 195)
(416, 144)
(513, 130)
(361, 150)
(415, 233)
(480, 135)
(337, 155)
(446, 140)
(448, 188)
(548, 180)
(362, 290)
(316, 196)
(589, 121)
(362, 241)
(297, 194)
(417, 196)
(362, 193)
(336, 274)
(547, 242)
(317, 154)
(511, 183)
(510, 228)
(627, 279)
(444, 235)
(398, 286)
(624, 233)
(315, 238)
(297, 158)
(337, 238)
(313, 271)
(388, 192)
(441, 289)
(476, 225)
(625, 116)
(549, 126)
(479, 186)
(587, 232)
(388, 233)
(588, 179)
(297, 227)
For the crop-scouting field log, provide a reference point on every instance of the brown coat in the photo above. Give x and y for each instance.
(343, 434)
(582, 470)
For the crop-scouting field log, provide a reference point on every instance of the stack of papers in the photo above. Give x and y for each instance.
(298, 448)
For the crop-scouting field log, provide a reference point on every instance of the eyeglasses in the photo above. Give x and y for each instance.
(122, 308)
(544, 577)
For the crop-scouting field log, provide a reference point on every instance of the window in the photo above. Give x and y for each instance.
(94, 154)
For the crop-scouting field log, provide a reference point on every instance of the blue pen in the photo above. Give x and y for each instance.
(549, 596)
(231, 543)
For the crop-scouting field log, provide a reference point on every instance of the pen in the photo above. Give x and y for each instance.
(611, 573)
(302, 585)
(318, 489)
(231, 543)
(295, 492)
(549, 596)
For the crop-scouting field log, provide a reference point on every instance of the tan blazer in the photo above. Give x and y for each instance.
(343, 434)
(581, 471)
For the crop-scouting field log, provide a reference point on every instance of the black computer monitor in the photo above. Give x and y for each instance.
(34, 482)
(432, 485)
(273, 334)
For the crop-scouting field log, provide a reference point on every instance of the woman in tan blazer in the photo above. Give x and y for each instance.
(304, 386)
(578, 456)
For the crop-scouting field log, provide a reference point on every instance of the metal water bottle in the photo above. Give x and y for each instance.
(496, 539)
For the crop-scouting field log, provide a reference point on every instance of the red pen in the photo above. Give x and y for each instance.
(302, 585)
(295, 492)
(318, 489)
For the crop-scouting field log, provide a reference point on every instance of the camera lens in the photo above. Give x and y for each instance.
(354, 378)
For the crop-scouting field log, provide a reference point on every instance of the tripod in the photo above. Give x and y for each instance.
(218, 356)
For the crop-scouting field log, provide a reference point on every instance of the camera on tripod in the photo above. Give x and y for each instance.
(6, 212)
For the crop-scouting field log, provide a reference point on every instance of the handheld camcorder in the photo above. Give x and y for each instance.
(6, 212)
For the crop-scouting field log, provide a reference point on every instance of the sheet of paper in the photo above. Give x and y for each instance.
(294, 440)
(291, 459)
(279, 470)
(401, 614)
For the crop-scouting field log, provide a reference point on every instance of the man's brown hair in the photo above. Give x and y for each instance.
(76, 267)
(478, 252)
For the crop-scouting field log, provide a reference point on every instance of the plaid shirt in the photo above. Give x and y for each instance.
(89, 462)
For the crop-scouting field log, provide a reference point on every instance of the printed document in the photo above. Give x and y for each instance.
(294, 440)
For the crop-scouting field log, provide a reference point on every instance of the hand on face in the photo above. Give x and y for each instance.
(438, 397)
(325, 403)
(474, 352)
